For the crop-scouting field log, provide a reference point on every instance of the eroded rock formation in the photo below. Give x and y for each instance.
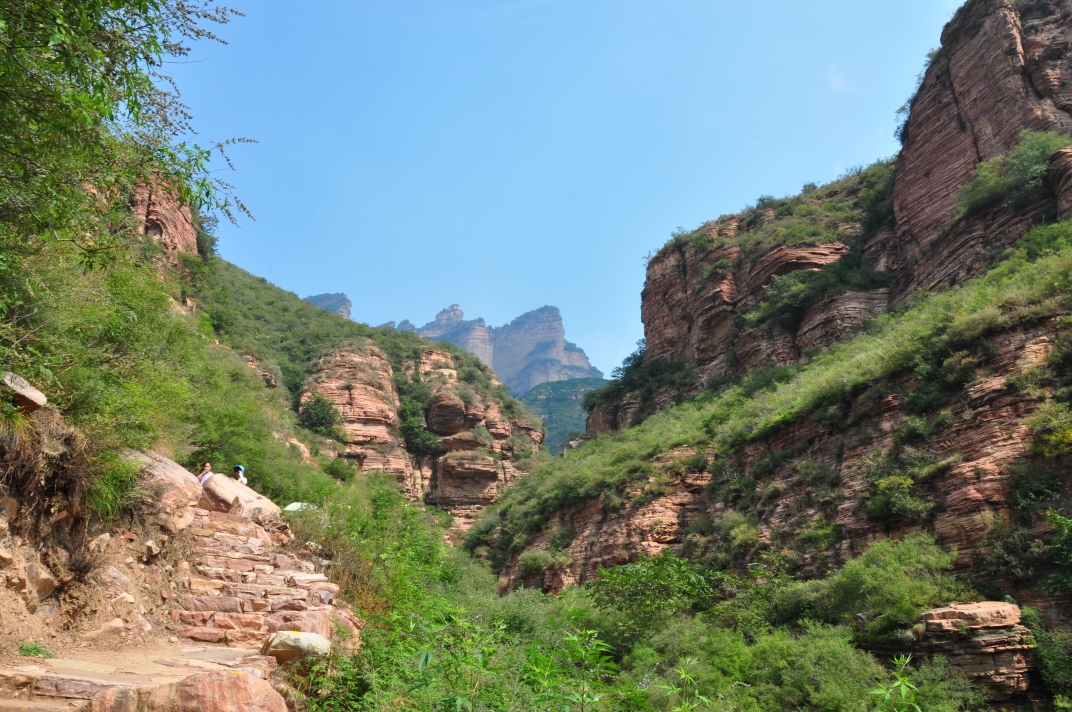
(164, 219)
(477, 446)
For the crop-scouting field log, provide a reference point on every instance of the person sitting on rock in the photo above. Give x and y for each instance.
(240, 474)
(205, 474)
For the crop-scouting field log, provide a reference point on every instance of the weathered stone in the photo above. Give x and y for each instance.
(988, 614)
(107, 633)
(223, 494)
(225, 604)
(165, 220)
(175, 492)
(286, 646)
(446, 414)
(25, 396)
(229, 691)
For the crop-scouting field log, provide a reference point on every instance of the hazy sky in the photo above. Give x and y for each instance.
(507, 154)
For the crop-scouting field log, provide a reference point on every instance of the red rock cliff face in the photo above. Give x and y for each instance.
(478, 445)
(164, 220)
(999, 71)
(980, 445)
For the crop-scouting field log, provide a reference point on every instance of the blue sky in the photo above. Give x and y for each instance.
(508, 154)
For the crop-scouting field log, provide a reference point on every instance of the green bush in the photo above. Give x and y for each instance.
(319, 415)
(650, 591)
(1011, 180)
(1054, 651)
(35, 650)
(883, 591)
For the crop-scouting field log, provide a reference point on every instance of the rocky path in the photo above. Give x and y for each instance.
(239, 602)
(241, 590)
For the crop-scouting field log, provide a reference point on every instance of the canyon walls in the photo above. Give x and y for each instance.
(999, 71)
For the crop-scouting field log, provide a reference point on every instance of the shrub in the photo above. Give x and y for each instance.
(1012, 179)
(884, 590)
(35, 650)
(340, 469)
(650, 591)
(1015, 553)
(319, 415)
(1054, 651)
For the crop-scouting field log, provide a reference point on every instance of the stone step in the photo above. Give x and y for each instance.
(43, 705)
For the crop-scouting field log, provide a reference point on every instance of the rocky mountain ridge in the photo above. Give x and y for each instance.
(530, 350)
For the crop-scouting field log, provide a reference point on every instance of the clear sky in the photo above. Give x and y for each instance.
(507, 154)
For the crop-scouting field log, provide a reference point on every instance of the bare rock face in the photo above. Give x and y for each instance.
(228, 691)
(164, 220)
(836, 315)
(472, 463)
(447, 414)
(175, 492)
(996, 74)
(530, 350)
(983, 640)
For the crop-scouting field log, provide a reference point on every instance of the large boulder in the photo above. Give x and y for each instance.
(446, 414)
(228, 691)
(223, 494)
(286, 645)
(175, 492)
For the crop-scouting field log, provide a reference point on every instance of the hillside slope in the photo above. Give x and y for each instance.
(945, 415)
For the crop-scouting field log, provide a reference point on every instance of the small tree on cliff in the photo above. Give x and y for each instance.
(319, 415)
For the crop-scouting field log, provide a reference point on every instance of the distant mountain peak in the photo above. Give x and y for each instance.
(530, 350)
(338, 303)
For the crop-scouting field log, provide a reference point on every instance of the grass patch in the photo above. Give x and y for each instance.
(35, 650)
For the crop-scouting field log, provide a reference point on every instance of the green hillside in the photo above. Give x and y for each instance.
(559, 405)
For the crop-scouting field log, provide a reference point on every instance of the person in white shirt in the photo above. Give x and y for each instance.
(240, 474)
(205, 474)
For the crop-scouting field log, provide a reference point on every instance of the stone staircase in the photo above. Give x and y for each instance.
(241, 590)
(232, 589)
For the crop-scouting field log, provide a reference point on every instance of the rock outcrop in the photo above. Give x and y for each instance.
(985, 641)
(163, 219)
(205, 692)
(477, 446)
(530, 350)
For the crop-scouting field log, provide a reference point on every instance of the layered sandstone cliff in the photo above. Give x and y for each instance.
(478, 449)
(164, 219)
(1000, 70)
(530, 350)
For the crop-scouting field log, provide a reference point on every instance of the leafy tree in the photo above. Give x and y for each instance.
(319, 415)
(650, 590)
(86, 114)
